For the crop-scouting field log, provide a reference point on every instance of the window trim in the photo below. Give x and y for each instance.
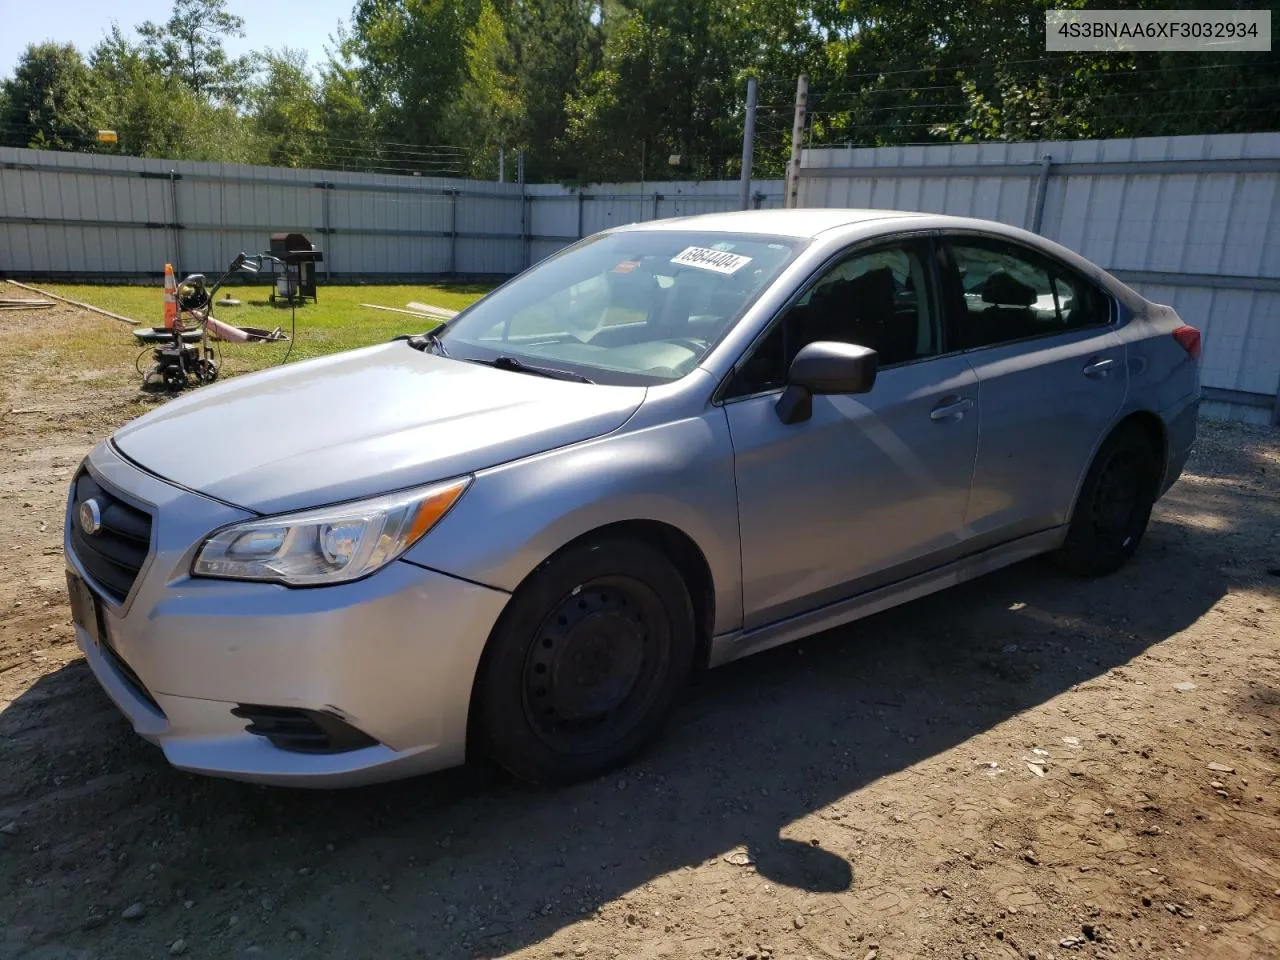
(925, 239)
(1051, 265)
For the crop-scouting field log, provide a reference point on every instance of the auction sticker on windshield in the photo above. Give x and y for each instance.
(706, 259)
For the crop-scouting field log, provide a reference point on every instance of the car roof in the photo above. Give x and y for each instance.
(810, 223)
(805, 223)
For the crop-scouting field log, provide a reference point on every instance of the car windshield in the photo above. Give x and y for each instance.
(633, 307)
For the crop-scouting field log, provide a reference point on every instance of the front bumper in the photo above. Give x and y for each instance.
(393, 655)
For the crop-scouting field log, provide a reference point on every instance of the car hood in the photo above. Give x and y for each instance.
(362, 423)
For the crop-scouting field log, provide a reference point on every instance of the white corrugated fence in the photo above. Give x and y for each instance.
(69, 215)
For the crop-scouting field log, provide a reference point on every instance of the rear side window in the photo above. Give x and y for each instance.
(1011, 293)
(1080, 303)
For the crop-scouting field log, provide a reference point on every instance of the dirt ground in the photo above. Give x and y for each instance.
(1026, 766)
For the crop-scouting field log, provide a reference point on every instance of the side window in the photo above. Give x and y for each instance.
(1013, 294)
(875, 298)
(1080, 303)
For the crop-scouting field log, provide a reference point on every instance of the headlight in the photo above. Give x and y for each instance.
(329, 544)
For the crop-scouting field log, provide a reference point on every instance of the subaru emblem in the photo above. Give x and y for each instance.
(90, 517)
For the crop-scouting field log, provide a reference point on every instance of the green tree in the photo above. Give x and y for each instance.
(48, 103)
(348, 116)
(670, 83)
(976, 70)
(488, 113)
(609, 89)
(616, 120)
(288, 114)
(156, 115)
(412, 57)
(553, 45)
(189, 47)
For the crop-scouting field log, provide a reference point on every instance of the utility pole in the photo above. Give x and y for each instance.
(502, 165)
(797, 139)
(748, 145)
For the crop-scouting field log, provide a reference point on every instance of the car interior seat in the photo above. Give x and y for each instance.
(1007, 315)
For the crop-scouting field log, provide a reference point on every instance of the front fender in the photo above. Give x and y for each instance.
(517, 514)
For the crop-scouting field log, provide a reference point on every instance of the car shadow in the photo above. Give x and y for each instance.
(467, 863)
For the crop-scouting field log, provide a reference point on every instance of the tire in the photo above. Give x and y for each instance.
(1115, 504)
(585, 664)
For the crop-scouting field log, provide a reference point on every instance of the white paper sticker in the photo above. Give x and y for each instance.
(705, 258)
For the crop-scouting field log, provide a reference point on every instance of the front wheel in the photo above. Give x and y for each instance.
(1114, 506)
(586, 662)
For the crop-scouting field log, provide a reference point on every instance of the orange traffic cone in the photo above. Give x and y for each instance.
(170, 297)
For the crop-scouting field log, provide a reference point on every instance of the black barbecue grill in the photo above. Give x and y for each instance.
(297, 280)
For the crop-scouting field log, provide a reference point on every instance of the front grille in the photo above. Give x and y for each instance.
(301, 731)
(116, 552)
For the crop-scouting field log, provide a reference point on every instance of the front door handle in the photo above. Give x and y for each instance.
(1098, 367)
(950, 409)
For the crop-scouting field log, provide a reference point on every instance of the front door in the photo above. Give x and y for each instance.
(871, 487)
(1051, 375)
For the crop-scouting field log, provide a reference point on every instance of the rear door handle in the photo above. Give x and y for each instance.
(1098, 367)
(950, 409)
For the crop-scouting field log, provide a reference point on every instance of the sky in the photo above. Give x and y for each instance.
(267, 23)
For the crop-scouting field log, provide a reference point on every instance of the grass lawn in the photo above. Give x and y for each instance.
(337, 322)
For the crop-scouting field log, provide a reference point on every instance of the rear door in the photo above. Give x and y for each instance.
(870, 488)
(1051, 379)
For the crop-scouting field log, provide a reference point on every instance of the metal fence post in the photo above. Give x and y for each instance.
(326, 227)
(748, 145)
(176, 224)
(657, 199)
(1042, 188)
(453, 232)
(581, 200)
(526, 214)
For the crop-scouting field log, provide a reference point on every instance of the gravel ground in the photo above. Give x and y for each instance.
(1026, 766)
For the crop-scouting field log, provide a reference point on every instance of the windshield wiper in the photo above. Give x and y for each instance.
(421, 341)
(519, 366)
(432, 339)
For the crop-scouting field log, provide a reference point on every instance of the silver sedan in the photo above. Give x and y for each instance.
(669, 446)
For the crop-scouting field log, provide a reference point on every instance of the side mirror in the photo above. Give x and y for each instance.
(825, 367)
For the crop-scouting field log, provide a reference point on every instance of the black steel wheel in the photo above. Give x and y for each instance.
(1118, 494)
(595, 665)
(585, 663)
(1115, 504)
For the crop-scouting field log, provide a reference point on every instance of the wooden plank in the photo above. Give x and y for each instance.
(440, 312)
(420, 316)
(76, 303)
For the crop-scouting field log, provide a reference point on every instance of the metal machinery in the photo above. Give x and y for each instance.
(298, 257)
(183, 355)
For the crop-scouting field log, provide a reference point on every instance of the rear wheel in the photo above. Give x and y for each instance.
(1114, 506)
(586, 662)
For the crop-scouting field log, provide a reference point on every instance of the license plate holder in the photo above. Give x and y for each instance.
(85, 609)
